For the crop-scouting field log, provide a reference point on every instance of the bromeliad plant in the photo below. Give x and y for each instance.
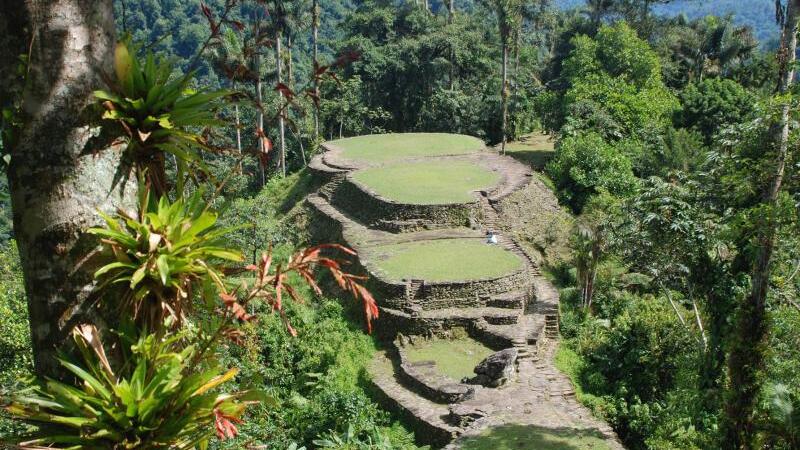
(167, 272)
(164, 392)
(159, 114)
(156, 401)
(160, 255)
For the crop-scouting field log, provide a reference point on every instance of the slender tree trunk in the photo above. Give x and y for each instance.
(747, 356)
(281, 121)
(238, 129)
(504, 97)
(289, 64)
(260, 125)
(262, 150)
(62, 171)
(315, 58)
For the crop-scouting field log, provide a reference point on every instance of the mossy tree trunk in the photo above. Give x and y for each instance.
(63, 166)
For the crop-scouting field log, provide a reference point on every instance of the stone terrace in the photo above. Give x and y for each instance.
(516, 309)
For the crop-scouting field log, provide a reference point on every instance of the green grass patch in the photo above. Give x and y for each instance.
(525, 437)
(379, 148)
(445, 260)
(572, 365)
(454, 358)
(534, 149)
(428, 183)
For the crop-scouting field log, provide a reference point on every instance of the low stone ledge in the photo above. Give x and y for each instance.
(423, 378)
(381, 213)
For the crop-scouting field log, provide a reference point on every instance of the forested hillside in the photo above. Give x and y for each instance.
(194, 253)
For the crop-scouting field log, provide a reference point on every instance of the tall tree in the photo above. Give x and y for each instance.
(747, 356)
(315, 59)
(278, 13)
(63, 167)
(508, 21)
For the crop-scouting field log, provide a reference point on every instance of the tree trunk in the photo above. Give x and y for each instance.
(747, 356)
(281, 122)
(504, 97)
(260, 125)
(63, 167)
(314, 49)
(451, 11)
(289, 65)
(260, 134)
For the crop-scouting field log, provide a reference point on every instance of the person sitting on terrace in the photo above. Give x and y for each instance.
(491, 237)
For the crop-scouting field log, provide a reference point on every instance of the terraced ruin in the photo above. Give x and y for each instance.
(416, 207)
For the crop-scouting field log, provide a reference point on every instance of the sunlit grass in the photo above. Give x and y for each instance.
(445, 260)
(455, 358)
(530, 437)
(428, 183)
(386, 147)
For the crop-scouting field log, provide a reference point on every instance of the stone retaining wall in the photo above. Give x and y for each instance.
(377, 212)
(422, 378)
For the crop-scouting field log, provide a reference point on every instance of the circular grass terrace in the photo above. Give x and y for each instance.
(428, 182)
(445, 260)
(381, 148)
(455, 358)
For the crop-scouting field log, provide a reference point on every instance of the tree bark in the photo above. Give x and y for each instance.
(747, 356)
(504, 96)
(281, 122)
(315, 58)
(260, 119)
(63, 167)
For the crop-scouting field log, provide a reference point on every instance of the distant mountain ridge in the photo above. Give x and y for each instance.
(757, 14)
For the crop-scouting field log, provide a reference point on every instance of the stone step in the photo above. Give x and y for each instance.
(513, 299)
(472, 313)
(426, 418)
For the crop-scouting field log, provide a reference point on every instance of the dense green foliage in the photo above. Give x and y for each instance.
(661, 126)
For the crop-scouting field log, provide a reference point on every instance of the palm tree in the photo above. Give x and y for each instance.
(509, 14)
(278, 14)
(315, 60)
(229, 59)
(716, 46)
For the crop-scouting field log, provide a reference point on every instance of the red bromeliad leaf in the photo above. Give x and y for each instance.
(314, 96)
(237, 24)
(232, 303)
(210, 17)
(278, 288)
(224, 425)
(285, 90)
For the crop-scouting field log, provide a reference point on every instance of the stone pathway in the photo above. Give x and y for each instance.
(523, 314)
(541, 396)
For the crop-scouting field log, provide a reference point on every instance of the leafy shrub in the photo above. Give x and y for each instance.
(157, 398)
(16, 360)
(712, 104)
(586, 163)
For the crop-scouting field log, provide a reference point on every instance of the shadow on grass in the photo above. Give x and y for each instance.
(531, 437)
(537, 159)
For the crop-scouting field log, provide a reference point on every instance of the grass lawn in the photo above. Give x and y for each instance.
(445, 260)
(529, 437)
(378, 148)
(534, 149)
(428, 183)
(454, 358)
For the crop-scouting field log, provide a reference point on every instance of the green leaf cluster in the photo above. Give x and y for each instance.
(159, 254)
(160, 399)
